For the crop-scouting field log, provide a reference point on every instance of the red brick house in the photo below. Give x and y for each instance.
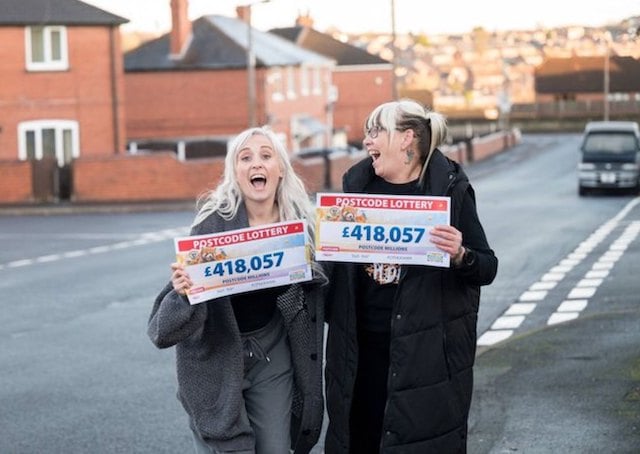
(192, 84)
(363, 80)
(61, 93)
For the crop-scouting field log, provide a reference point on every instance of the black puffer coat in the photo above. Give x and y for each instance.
(433, 333)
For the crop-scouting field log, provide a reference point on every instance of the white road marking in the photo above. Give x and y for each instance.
(577, 299)
(544, 285)
(602, 266)
(533, 296)
(508, 322)
(583, 292)
(573, 305)
(589, 283)
(493, 337)
(18, 263)
(561, 317)
(48, 258)
(587, 287)
(520, 309)
(597, 274)
(143, 238)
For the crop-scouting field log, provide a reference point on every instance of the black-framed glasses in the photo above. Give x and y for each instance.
(373, 131)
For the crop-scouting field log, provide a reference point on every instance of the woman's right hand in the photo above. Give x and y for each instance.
(180, 278)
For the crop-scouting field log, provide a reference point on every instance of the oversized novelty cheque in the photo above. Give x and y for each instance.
(242, 260)
(367, 228)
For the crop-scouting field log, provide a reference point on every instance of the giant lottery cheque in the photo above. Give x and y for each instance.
(367, 228)
(242, 260)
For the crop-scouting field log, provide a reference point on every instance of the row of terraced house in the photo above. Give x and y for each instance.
(83, 121)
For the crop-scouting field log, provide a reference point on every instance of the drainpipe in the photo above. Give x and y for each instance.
(115, 100)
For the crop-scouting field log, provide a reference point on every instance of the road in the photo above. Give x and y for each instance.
(79, 375)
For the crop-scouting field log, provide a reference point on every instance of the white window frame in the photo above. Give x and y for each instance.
(277, 85)
(304, 80)
(291, 82)
(59, 126)
(317, 81)
(49, 64)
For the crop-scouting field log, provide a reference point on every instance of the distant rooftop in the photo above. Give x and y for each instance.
(55, 12)
(220, 42)
(586, 74)
(343, 53)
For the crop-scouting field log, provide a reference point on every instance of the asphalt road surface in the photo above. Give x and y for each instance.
(79, 375)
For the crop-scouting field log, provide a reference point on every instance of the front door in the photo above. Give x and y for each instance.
(51, 140)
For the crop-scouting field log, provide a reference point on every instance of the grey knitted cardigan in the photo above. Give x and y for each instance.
(209, 356)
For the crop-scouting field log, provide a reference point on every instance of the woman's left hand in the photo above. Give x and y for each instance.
(448, 239)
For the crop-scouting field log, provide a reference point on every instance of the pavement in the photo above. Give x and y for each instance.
(573, 387)
(567, 388)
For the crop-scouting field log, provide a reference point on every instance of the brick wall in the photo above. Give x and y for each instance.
(311, 172)
(161, 177)
(16, 184)
(352, 108)
(156, 177)
(486, 146)
(193, 103)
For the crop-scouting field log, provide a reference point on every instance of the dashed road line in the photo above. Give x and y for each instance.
(577, 300)
(578, 297)
(144, 238)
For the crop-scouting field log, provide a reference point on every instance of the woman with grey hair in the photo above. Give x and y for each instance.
(402, 339)
(249, 365)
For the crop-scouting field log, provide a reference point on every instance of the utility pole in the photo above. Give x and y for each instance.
(251, 65)
(606, 81)
(394, 49)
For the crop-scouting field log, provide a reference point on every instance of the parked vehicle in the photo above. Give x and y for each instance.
(610, 156)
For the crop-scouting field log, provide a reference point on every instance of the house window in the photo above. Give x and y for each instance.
(317, 81)
(274, 79)
(41, 139)
(291, 83)
(304, 81)
(46, 48)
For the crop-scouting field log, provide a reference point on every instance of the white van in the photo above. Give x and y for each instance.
(610, 156)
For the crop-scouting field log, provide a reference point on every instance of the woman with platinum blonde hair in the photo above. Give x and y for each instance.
(402, 338)
(292, 200)
(249, 365)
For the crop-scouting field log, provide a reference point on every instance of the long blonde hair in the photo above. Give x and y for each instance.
(429, 127)
(291, 196)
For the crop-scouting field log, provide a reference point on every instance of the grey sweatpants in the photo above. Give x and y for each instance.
(267, 390)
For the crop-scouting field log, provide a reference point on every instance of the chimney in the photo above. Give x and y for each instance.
(304, 20)
(180, 26)
(244, 13)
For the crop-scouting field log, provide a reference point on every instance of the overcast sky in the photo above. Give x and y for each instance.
(418, 16)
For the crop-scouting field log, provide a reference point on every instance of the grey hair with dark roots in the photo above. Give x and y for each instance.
(430, 128)
(291, 195)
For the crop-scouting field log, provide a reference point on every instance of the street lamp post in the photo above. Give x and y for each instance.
(251, 65)
(606, 83)
(606, 77)
(394, 49)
